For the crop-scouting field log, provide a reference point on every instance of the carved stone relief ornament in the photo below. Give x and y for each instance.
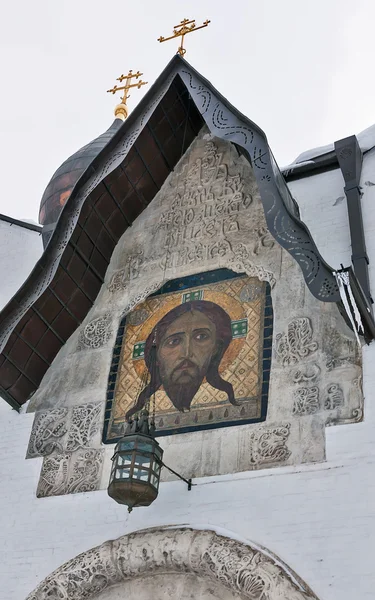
(70, 473)
(96, 333)
(207, 205)
(334, 397)
(63, 429)
(308, 374)
(84, 424)
(306, 401)
(269, 445)
(48, 430)
(296, 343)
(244, 568)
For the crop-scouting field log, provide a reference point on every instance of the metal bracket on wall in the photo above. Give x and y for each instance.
(349, 156)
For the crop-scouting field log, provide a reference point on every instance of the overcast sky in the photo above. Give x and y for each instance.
(303, 71)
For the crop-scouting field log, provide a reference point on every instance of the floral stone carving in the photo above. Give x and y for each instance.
(83, 426)
(47, 432)
(64, 429)
(70, 473)
(96, 333)
(296, 343)
(244, 568)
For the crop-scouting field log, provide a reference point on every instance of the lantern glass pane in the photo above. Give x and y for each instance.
(124, 459)
(148, 447)
(154, 480)
(125, 446)
(143, 461)
(140, 474)
(122, 473)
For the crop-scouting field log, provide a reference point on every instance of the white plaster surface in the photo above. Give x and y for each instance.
(366, 140)
(318, 518)
(20, 248)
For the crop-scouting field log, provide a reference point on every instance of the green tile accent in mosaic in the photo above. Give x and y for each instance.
(189, 296)
(139, 350)
(239, 328)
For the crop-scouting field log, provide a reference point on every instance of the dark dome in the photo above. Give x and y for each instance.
(64, 179)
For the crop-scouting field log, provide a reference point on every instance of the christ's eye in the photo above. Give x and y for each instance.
(172, 341)
(201, 336)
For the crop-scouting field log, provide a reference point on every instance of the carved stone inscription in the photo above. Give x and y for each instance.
(334, 397)
(207, 202)
(306, 401)
(207, 207)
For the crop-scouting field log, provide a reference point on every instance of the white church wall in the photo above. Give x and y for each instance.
(20, 248)
(319, 518)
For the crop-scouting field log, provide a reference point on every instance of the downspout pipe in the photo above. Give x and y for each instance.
(349, 156)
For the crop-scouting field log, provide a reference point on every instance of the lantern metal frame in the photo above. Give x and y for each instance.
(137, 463)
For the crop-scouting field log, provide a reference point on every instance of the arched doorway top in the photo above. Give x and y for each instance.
(245, 568)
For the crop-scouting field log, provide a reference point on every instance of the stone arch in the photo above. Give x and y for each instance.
(246, 569)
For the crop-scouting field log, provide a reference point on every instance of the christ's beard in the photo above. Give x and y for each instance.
(182, 394)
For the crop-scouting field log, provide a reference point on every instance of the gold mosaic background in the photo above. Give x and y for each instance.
(242, 298)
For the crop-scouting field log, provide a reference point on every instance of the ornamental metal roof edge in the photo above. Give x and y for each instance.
(224, 121)
(23, 299)
(281, 211)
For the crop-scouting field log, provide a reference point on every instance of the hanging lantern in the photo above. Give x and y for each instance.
(137, 463)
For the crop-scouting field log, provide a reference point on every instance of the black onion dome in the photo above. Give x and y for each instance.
(64, 179)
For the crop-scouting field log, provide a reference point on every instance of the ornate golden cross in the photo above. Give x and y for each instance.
(183, 29)
(121, 110)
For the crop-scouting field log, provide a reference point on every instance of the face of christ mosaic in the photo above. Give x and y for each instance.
(189, 343)
(199, 350)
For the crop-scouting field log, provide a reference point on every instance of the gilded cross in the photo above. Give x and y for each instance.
(181, 30)
(121, 110)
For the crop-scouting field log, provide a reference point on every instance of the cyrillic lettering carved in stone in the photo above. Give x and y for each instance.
(263, 239)
(296, 343)
(308, 374)
(207, 207)
(306, 401)
(343, 361)
(334, 397)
